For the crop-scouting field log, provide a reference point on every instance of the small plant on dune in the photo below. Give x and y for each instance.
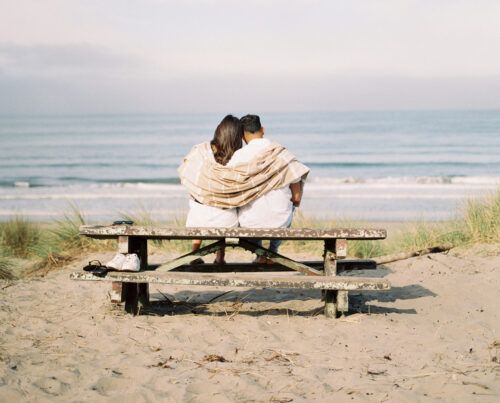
(415, 236)
(481, 218)
(365, 249)
(144, 218)
(19, 236)
(6, 267)
(65, 235)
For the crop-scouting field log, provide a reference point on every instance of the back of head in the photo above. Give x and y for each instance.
(228, 138)
(251, 123)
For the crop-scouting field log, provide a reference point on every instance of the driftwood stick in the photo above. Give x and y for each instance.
(406, 255)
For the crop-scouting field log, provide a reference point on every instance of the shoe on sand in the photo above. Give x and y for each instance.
(117, 262)
(131, 263)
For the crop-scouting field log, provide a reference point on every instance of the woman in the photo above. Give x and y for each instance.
(227, 139)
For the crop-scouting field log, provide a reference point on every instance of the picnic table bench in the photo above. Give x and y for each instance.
(320, 275)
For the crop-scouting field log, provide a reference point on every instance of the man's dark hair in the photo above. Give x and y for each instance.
(251, 123)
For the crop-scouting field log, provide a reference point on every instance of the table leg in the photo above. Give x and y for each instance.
(330, 264)
(116, 293)
(342, 301)
(135, 294)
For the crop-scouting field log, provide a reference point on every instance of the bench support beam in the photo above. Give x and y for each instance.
(282, 260)
(188, 257)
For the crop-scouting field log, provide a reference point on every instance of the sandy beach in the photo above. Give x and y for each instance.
(434, 336)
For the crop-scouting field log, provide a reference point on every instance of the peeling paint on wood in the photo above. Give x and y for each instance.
(341, 248)
(238, 280)
(122, 244)
(342, 301)
(100, 231)
(330, 266)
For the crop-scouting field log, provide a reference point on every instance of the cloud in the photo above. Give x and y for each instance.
(43, 60)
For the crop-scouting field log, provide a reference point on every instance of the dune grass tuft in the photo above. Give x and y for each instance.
(481, 219)
(144, 217)
(18, 237)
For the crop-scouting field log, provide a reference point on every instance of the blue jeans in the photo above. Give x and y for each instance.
(273, 245)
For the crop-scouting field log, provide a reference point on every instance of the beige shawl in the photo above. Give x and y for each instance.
(216, 185)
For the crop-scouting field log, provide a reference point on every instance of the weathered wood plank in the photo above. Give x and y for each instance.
(342, 297)
(330, 266)
(99, 231)
(239, 280)
(115, 294)
(342, 301)
(340, 248)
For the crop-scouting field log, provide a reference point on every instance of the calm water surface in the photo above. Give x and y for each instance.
(364, 165)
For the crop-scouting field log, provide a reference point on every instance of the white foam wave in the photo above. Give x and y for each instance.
(414, 180)
(21, 184)
(90, 196)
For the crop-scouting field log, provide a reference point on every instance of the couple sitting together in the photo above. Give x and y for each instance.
(255, 186)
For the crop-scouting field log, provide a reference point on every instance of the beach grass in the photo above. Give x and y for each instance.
(28, 248)
(19, 237)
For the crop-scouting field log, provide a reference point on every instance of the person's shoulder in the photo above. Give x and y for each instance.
(238, 156)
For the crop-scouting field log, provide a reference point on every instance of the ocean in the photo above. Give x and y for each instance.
(364, 165)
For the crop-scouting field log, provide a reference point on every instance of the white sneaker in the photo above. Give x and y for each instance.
(131, 263)
(117, 262)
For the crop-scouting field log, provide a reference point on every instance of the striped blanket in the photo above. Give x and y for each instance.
(216, 185)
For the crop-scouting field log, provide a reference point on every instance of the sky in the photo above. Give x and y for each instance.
(169, 56)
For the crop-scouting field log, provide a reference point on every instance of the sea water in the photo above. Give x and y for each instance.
(364, 165)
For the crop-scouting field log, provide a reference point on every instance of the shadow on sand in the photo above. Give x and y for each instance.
(260, 302)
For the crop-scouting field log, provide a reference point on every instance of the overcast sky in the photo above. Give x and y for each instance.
(113, 56)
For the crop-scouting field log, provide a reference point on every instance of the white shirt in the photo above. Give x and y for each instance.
(271, 210)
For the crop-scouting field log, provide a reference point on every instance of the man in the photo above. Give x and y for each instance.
(273, 209)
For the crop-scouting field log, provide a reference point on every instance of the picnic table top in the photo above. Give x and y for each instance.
(153, 232)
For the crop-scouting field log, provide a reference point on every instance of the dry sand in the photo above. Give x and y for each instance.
(434, 336)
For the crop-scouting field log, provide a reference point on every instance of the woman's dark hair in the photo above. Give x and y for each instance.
(228, 138)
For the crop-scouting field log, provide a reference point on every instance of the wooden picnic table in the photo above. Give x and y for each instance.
(320, 275)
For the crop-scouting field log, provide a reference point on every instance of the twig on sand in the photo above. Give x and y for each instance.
(166, 297)
(145, 327)
(374, 372)
(237, 307)
(231, 371)
(355, 319)
(214, 357)
(475, 384)
(282, 356)
(218, 296)
(495, 344)
(273, 399)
